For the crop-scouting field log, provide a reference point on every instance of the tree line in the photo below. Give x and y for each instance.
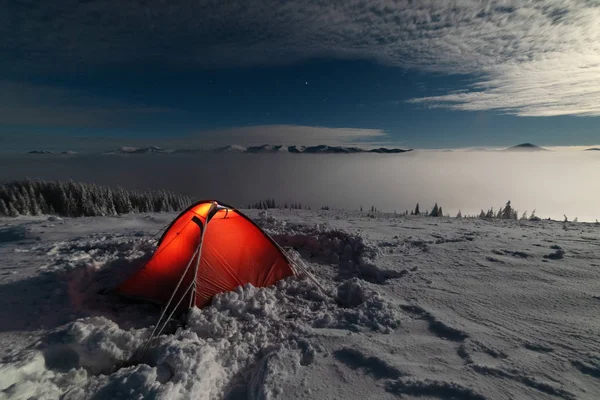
(76, 199)
(272, 204)
(506, 212)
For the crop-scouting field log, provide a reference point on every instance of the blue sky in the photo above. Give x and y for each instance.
(88, 75)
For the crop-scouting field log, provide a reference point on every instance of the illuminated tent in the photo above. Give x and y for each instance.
(208, 249)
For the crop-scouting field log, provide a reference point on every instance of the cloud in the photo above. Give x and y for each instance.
(245, 136)
(29, 105)
(530, 57)
(289, 135)
(561, 84)
(24, 104)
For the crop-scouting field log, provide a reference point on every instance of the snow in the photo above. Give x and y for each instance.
(415, 307)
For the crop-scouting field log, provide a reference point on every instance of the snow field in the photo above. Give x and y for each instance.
(415, 308)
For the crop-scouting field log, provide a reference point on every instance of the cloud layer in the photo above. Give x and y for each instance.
(291, 135)
(529, 57)
(245, 136)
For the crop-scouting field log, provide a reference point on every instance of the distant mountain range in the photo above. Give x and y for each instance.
(40, 152)
(144, 150)
(264, 149)
(526, 147)
(271, 149)
(51, 152)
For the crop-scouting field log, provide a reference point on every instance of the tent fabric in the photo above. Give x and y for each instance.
(233, 251)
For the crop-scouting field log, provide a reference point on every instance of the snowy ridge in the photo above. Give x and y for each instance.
(319, 149)
(144, 150)
(66, 152)
(41, 152)
(264, 149)
(445, 308)
(526, 147)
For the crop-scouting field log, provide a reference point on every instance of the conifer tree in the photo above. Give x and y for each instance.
(3, 208)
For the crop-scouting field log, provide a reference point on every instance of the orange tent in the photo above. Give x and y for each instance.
(209, 248)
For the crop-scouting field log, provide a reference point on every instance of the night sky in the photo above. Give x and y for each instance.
(95, 74)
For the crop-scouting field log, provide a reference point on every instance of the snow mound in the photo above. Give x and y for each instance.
(364, 307)
(353, 254)
(26, 377)
(245, 342)
(96, 344)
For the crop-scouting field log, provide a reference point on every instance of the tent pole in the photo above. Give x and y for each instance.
(213, 206)
(195, 274)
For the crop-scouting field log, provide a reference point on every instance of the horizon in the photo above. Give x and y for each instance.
(128, 148)
(391, 74)
(551, 182)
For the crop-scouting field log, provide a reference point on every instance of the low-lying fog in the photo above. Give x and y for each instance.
(553, 183)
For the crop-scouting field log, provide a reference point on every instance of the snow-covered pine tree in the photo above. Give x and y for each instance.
(34, 206)
(15, 202)
(435, 211)
(12, 211)
(109, 196)
(507, 212)
(98, 200)
(61, 205)
(533, 217)
(42, 203)
(3, 208)
(123, 203)
(85, 204)
(24, 201)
